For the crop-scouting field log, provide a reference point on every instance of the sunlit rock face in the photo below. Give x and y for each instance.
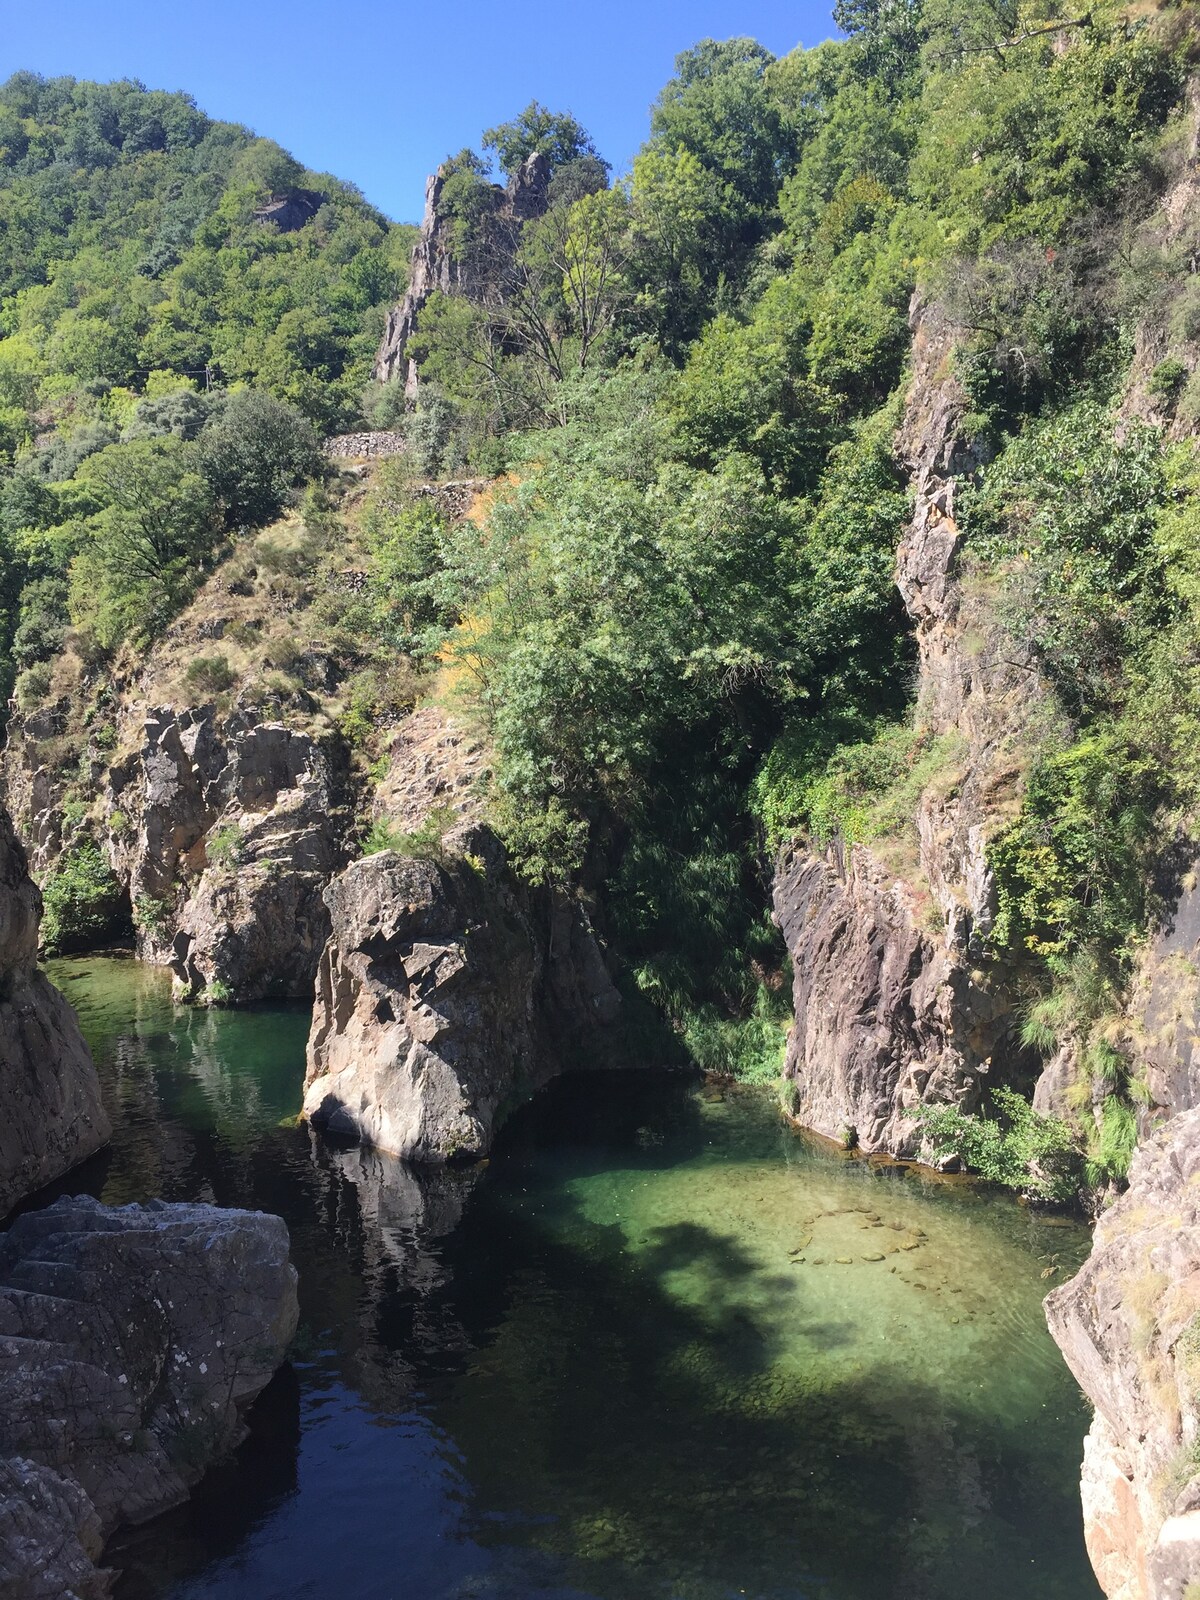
(131, 1341)
(446, 993)
(50, 1111)
(1129, 1327)
(897, 1001)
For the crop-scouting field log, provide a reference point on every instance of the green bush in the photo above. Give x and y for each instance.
(32, 687)
(1014, 1145)
(425, 843)
(253, 453)
(224, 846)
(858, 792)
(1167, 379)
(149, 914)
(210, 674)
(81, 901)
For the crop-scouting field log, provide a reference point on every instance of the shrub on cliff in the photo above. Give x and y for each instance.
(1013, 1145)
(82, 902)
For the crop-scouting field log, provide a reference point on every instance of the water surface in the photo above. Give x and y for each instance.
(658, 1348)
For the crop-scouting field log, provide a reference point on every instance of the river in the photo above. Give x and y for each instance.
(659, 1347)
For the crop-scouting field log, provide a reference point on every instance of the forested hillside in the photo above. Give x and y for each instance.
(676, 621)
(184, 310)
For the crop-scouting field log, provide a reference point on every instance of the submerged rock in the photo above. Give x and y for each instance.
(446, 992)
(50, 1112)
(1129, 1327)
(131, 1342)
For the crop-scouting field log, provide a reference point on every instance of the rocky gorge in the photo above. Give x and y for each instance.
(459, 736)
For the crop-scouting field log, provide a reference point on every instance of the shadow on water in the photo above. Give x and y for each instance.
(600, 1365)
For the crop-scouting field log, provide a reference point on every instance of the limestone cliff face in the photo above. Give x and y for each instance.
(51, 1117)
(1129, 1327)
(438, 266)
(131, 1342)
(895, 1002)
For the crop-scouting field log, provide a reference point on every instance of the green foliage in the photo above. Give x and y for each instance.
(1111, 1141)
(425, 843)
(81, 901)
(1014, 1145)
(857, 791)
(553, 134)
(749, 1048)
(1071, 510)
(129, 244)
(719, 110)
(1166, 380)
(546, 844)
(223, 848)
(149, 914)
(253, 453)
(1029, 140)
(1072, 868)
(210, 674)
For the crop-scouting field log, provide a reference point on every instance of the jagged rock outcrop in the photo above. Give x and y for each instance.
(448, 989)
(131, 1342)
(233, 831)
(222, 828)
(444, 995)
(895, 1002)
(1129, 1327)
(51, 1116)
(476, 274)
(289, 212)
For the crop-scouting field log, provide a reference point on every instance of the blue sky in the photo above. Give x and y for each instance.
(380, 93)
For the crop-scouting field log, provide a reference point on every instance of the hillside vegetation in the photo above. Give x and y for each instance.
(168, 354)
(678, 621)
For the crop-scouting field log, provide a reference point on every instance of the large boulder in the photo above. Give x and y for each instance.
(50, 1111)
(446, 993)
(1129, 1326)
(131, 1342)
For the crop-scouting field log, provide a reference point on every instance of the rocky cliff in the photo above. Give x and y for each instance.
(1129, 1327)
(896, 1002)
(50, 1111)
(210, 771)
(439, 265)
(448, 989)
(131, 1341)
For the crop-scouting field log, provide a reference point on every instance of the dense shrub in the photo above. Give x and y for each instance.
(82, 904)
(1014, 1145)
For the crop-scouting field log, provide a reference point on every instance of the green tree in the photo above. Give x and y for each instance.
(253, 453)
(557, 135)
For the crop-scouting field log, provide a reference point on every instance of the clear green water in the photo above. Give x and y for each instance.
(659, 1348)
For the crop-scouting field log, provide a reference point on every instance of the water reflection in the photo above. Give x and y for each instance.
(657, 1349)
